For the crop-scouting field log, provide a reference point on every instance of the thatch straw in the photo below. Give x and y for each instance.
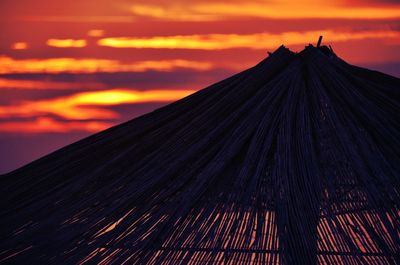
(294, 161)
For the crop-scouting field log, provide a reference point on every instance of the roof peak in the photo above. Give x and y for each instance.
(324, 49)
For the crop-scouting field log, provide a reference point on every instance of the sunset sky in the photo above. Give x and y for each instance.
(69, 69)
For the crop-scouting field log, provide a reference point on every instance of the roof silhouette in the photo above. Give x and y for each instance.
(293, 161)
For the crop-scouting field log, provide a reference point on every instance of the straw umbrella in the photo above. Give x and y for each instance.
(293, 161)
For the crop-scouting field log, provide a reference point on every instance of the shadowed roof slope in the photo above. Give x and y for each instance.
(293, 161)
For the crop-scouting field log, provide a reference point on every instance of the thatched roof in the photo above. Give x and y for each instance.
(293, 161)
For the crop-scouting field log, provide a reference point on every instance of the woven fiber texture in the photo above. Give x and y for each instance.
(293, 161)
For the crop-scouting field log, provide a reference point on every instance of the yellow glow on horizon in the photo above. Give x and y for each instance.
(9, 65)
(66, 43)
(81, 106)
(252, 41)
(281, 9)
(119, 96)
(19, 46)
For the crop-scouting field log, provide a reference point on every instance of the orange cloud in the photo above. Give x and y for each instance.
(96, 33)
(34, 84)
(66, 43)
(71, 65)
(252, 41)
(89, 18)
(85, 105)
(48, 125)
(19, 46)
(282, 9)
